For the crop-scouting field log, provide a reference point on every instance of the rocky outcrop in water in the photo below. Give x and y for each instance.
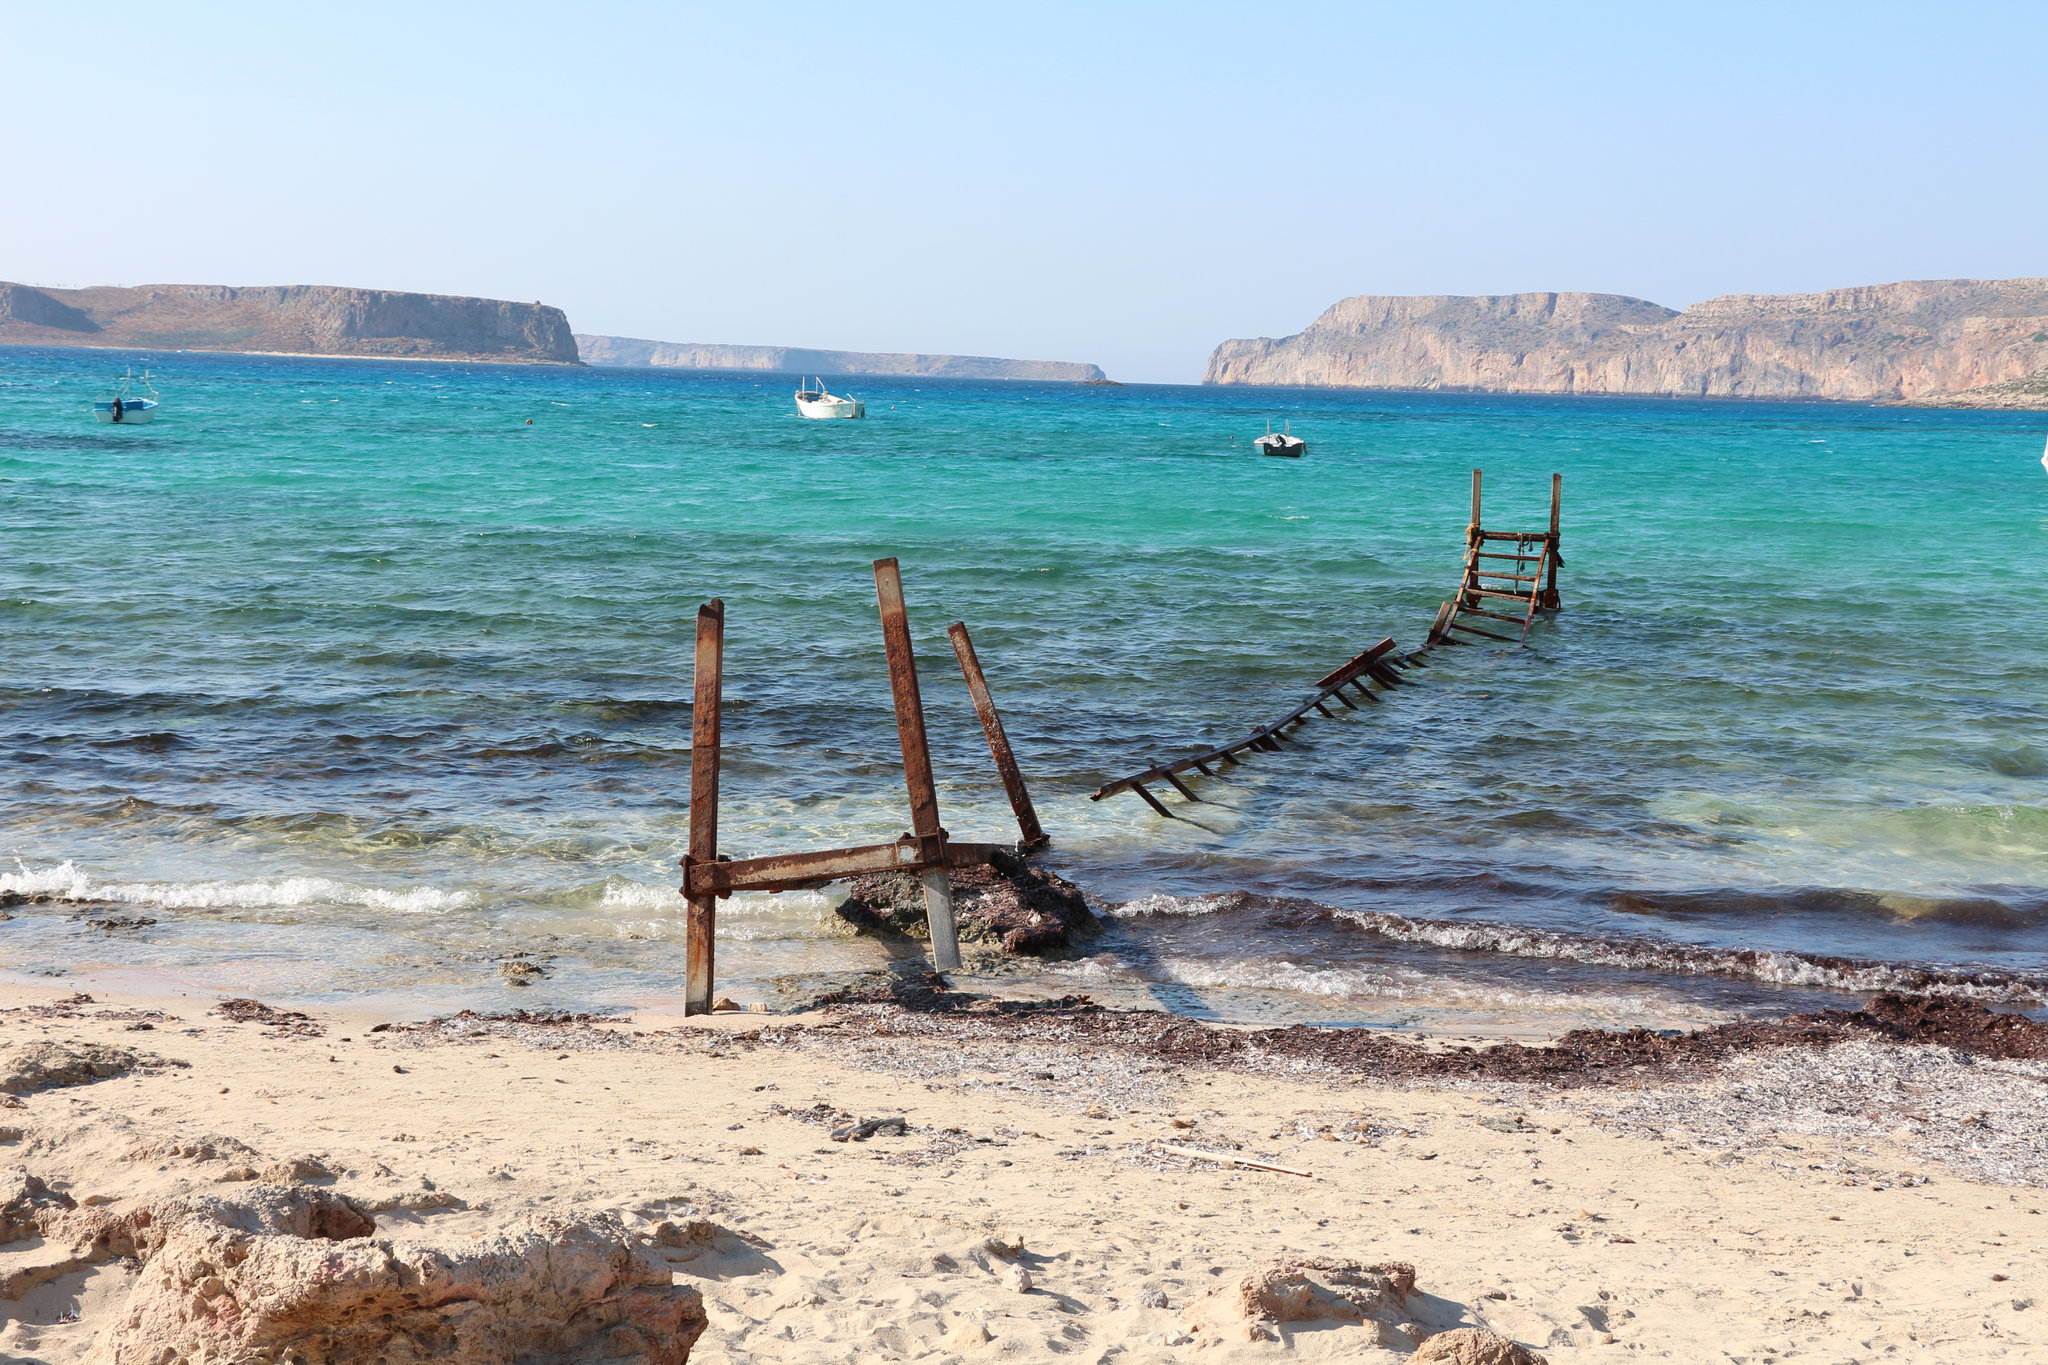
(1891, 342)
(682, 355)
(1023, 909)
(304, 319)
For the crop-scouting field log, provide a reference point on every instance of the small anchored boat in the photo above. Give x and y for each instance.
(1281, 443)
(128, 400)
(818, 403)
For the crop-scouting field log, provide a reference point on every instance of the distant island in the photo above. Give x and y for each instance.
(299, 319)
(1948, 343)
(683, 355)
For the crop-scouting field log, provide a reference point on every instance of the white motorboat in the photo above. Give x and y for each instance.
(1281, 443)
(818, 403)
(128, 400)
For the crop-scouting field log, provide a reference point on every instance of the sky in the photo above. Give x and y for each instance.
(1127, 184)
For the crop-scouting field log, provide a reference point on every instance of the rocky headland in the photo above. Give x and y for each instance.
(683, 355)
(1966, 343)
(301, 319)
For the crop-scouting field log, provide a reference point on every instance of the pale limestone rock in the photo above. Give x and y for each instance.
(1473, 1346)
(212, 1147)
(296, 1171)
(47, 1066)
(690, 355)
(291, 1272)
(1307, 1288)
(1904, 341)
(966, 1336)
(27, 1205)
(310, 319)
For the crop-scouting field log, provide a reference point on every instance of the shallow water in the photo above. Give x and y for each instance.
(355, 683)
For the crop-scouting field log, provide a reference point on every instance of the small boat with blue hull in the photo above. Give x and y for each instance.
(128, 400)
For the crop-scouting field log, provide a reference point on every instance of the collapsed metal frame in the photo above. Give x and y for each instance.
(1382, 663)
(927, 849)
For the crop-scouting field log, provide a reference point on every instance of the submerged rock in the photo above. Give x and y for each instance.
(1019, 907)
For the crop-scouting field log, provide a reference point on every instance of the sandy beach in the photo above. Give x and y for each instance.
(1853, 1202)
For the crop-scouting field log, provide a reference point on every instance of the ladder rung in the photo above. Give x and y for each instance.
(1527, 537)
(1498, 616)
(1495, 554)
(1523, 597)
(1474, 630)
(1518, 577)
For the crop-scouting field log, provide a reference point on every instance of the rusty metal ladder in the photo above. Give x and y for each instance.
(1484, 590)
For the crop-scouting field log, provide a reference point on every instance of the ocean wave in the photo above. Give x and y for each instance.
(1773, 966)
(1777, 967)
(1177, 905)
(623, 894)
(68, 881)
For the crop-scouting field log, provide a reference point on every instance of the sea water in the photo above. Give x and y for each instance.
(357, 679)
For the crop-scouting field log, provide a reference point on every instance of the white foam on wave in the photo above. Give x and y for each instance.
(1775, 967)
(283, 894)
(62, 880)
(623, 894)
(1174, 905)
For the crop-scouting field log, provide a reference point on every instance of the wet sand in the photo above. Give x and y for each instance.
(1853, 1197)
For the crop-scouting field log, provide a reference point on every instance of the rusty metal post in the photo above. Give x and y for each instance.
(998, 742)
(705, 712)
(1475, 503)
(917, 758)
(1556, 509)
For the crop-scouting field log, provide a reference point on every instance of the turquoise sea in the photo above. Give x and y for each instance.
(355, 683)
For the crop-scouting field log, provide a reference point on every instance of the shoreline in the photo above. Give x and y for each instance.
(1031, 1207)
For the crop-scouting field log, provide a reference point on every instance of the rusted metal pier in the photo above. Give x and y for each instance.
(1379, 664)
(927, 849)
(1382, 663)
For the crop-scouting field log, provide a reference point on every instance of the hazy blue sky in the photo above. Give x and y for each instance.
(1127, 184)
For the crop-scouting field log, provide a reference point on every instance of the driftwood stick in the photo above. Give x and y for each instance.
(1229, 1160)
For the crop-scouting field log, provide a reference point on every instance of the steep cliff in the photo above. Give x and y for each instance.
(300, 319)
(1910, 341)
(597, 350)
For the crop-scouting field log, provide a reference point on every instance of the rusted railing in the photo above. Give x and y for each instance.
(927, 849)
